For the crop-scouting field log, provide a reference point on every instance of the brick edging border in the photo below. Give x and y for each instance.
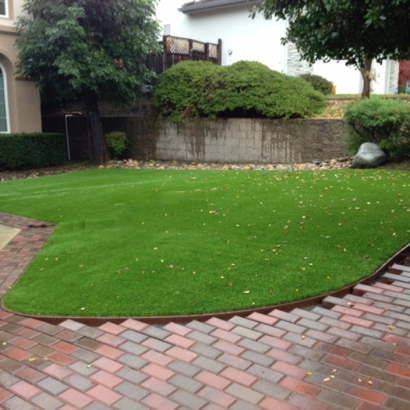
(47, 229)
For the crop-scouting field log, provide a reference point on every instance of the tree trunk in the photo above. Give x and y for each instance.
(99, 153)
(366, 75)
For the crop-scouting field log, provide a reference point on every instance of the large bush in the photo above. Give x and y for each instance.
(36, 150)
(244, 89)
(383, 121)
(319, 83)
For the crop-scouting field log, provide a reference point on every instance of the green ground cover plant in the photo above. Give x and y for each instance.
(165, 242)
(245, 89)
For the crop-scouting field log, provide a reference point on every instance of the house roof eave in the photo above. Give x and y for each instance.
(196, 7)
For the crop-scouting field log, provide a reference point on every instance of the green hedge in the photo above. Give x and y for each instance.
(36, 150)
(244, 89)
(385, 122)
(319, 83)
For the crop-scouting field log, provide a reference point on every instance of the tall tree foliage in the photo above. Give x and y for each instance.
(89, 48)
(358, 31)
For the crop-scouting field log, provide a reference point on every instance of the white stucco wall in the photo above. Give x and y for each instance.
(259, 40)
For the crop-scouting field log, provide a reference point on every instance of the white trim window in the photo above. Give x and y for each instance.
(4, 123)
(4, 12)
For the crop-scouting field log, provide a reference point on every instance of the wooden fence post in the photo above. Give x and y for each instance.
(164, 53)
(219, 52)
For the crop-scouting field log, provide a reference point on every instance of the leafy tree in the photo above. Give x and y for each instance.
(358, 31)
(88, 48)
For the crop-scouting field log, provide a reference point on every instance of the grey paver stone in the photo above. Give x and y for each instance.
(201, 337)
(85, 355)
(133, 348)
(83, 368)
(235, 361)
(271, 389)
(132, 375)
(47, 402)
(188, 399)
(185, 368)
(132, 391)
(255, 346)
(208, 364)
(290, 327)
(15, 403)
(306, 314)
(133, 336)
(128, 404)
(79, 382)
(241, 321)
(299, 339)
(186, 383)
(368, 332)
(53, 386)
(7, 379)
(156, 332)
(248, 333)
(244, 393)
(201, 327)
(265, 373)
(91, 332)
(326, 312)
(311, 324)
(130, 360)
(97, 406)
(257, 358)
(206, 350)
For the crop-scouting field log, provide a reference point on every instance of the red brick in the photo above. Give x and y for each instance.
(362, 289)
(158, 386)
(284, 356)
(238, 376)
(22, 343)
(324, 337)
(177, 329)
(77, 399)
(336, 350)
(180, 341)
(300, 386)
(30, 375)
(398, 370)
(270, 403)
(32, 323)
(334, 322)
(216, 396)
(357, 321)
(221, 324)
(156, 357)
(347, 311)
(16, 354)
(228, 348)
(275, 342)
(107, 364)
(157, 371)
(289, 370)
(105, 378)
(61, 358)
(227, 336)
(25, 390)
(181, 354)
(104, 395)
(111, 340)
(388, 287)
(4, 395)
(258, 317)
(369, 309)
(156, 402)
(112, 328)
(134, 325)
(65, 347)
(57, 371)
(212, 380)
(341, 362)
(346, 334)
(109, 351)
(365, 394)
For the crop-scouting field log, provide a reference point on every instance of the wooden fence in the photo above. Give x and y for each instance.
(176, 49)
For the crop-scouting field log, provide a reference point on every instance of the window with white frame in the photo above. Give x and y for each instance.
(3, 103)
(3, 8)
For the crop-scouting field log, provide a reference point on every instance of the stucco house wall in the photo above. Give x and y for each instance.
(258, 39)
(22, 98)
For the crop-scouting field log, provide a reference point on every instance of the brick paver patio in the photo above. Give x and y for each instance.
(349, 353)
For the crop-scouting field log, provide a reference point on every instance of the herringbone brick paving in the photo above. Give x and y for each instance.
(350, 353)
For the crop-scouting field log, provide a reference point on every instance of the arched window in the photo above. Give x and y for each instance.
(4, 124)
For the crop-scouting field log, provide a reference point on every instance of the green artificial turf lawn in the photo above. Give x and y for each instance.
(152, 242)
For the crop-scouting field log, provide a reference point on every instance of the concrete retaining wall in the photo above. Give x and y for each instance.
(224, 140)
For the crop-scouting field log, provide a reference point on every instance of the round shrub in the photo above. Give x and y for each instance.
(116, 143)
(244, 89)
(319, 83)
(385, 122)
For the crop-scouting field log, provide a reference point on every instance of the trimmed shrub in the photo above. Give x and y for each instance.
(116, 143)
(35, 150)
(245, 90)
(319, 83)
(385, 122)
